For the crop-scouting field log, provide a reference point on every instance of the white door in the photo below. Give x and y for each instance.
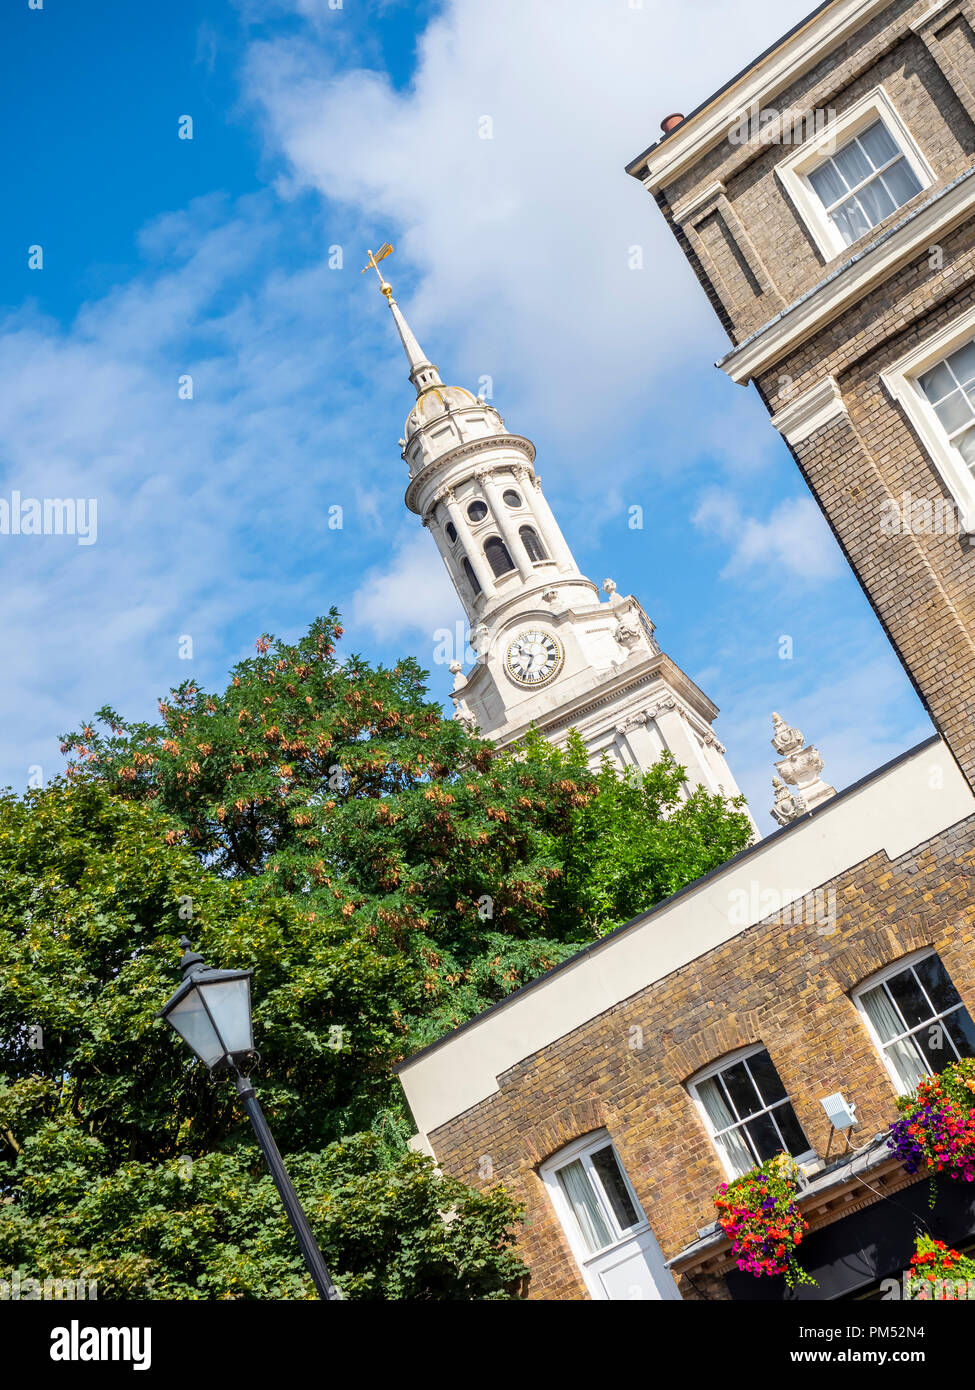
(610, 1237)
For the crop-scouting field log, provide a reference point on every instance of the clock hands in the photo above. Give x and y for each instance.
(533, 657)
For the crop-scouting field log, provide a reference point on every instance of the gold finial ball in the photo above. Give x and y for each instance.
(386, 288)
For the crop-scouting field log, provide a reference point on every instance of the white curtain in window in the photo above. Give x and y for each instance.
(908, 1064)
(578, 1189)
(720, 1116)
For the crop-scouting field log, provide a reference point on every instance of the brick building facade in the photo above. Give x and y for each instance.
(825, 201)
(841, 321)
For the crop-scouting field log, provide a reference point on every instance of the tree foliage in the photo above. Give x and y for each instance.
(122, 1160)
(346, 784)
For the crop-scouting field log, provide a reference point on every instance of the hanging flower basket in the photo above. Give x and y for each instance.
(938, 1273)
(936, 1129)
(760, 1215)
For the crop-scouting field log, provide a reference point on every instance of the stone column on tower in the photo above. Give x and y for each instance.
(550, 529)
(469, 550)
(502, 519)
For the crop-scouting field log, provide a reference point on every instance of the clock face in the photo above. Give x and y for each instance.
(533, 657)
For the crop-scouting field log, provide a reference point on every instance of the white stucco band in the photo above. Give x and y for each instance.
(896, 809)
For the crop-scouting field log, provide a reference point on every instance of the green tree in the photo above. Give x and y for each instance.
(121, 1158)
(640, 839)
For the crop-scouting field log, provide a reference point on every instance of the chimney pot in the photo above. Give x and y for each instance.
(669, 122)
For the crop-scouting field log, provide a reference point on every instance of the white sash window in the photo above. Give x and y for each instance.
(916, 1019)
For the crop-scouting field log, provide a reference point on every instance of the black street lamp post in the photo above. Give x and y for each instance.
(211, 1011)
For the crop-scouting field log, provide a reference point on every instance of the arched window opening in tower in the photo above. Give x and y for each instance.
(511, 498)
(451, 530)
(532, 544)
(477, 511)
(468, 569)
(496, 554)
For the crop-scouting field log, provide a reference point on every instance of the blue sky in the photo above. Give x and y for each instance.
(314, 128)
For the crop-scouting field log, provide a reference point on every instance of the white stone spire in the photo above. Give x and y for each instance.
(422, 371)
(549, 654)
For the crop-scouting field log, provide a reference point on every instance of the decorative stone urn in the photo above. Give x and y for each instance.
(800, 765)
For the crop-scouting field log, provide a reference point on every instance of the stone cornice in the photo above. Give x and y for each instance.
(470, 449)
(685, 210)
(783, 65)
(852, 280)
(815, 407)
(498, 616)
(650, 669)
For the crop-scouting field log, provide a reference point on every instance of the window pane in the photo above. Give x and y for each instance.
(937, 382)
(962, 363)
(739, 1154)
(850, 221)
(882, 1013)
(875, 201)
(879, 143)
(477, 511)
(606, 1165)
(712, 1098)
(935, 1043)
(795, 1140)
(954, 411)
(909, 998)
(770, 1088)
(965, 444)
(741, 1090)
(852, 163)
(934, 978)
(961, 1030)
(902, 181)
(496, 554)
(908, 1064)
(827, 183)
(763, 1135)
(578, 1189)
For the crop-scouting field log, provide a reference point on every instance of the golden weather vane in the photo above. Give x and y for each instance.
(373, 264)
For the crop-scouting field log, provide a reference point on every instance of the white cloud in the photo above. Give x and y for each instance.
(794, 540)
(410, 596)
(522, 239)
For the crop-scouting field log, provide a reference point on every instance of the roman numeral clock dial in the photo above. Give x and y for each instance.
(533, 657)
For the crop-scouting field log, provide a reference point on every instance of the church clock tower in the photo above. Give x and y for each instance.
(550, 653)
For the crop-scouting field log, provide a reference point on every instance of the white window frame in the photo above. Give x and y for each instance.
(897, 968)
(707, 1074)
(901, 382)
(794, 170)
(583, 1149)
